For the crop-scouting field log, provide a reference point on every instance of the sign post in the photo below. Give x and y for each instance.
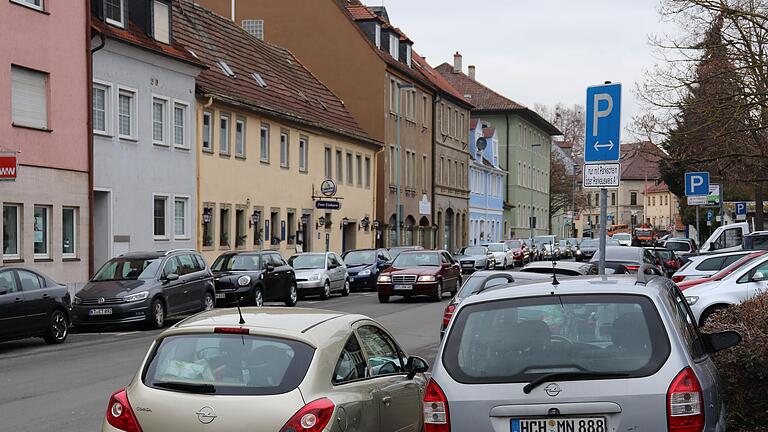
(601, 146)
(697, 191)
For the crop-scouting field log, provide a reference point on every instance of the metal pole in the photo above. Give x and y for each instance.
(397, 167)
(698, 235)
(722, 207)
(603, 232)
(530, 217)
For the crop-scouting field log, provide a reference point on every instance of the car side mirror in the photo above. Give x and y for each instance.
(3, 292)
(171, 277)
(416, 365)
(270, 268)
(715, 342)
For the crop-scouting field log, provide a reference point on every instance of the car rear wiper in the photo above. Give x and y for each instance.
(187, 387)
(571, 376)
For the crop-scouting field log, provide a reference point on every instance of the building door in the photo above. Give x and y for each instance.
(306, 232)
(349, 237)
(102, 227)
(448, 232)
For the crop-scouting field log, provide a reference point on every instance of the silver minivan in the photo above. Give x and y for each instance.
(588, 354)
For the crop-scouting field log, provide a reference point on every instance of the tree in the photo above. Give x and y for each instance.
(563, 192)
(570, 120)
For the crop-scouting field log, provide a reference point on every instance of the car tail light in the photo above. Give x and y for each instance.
(632, 267)
(314, 417)
(120, 414)
(677, 279)
(685, 403)
(436, 417)
(449, 310)
(232, 330)
(672, 263)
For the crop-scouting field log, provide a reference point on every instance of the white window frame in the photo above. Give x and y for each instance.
(303, 153)
(377, 35)
(31, 4)
(47, 228)
(264, 156)
(359, 169)
(240, 120)
(155, 21)
(287, 162)
(210, 116)
(108, 99)
(228, 150)
(328, 162)
(166, 198)
(408, 54)
(19, 234)
(394, 46)
(75, 217)
(165, 142)
(120, 23)
(185, 234)
(349, 161)
(185, 127)
(133, 124)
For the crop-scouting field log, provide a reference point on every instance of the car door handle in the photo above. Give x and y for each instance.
(46, 296)
(18, 300)
(387, 400)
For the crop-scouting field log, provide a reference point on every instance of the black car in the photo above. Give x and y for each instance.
(32, 305)
(145, 287)
(631, 257)
(254, 277)
(364, 265)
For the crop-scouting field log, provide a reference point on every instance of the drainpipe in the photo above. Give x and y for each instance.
(506, 178)
(199, 134)
(89, 128)
(435, 235)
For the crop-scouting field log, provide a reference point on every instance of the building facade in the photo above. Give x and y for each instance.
(145, 194)
(44, 129)
(662, 208)
(275, 147)
(561, 222)
(486, 180)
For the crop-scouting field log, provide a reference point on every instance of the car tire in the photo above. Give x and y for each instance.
(505, 265)
(156, 317)
(58, 328)
(383, 298)
(345, 292)
(437, 295)
(293, 296)
(712, 310)
(326, 294)
(458, 287)
(258, 297)
(209, 302)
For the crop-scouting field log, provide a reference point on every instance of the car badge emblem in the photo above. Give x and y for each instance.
(101, 300)
(553, 389)
(206, 415)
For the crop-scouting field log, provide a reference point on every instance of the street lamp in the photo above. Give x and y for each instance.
(531, 220)
(207, 216)
(406, 87)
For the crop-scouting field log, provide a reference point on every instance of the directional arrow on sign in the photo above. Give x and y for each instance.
(608, 145)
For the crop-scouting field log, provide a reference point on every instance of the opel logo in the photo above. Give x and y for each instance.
(101, 300)
(206, 415)
(553, 389)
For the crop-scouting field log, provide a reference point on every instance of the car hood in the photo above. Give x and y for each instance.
(111, 288)
(306, 273)
(419, 271)
(470, 257)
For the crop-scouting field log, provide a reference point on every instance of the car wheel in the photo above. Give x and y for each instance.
(58, 327)
(208, 302)
(504, 265)
(156, 317)
(293, 296)
(326, 294)
(346, 290)
(713, 310)
(258, 297)
(383, 298)
(437, 295)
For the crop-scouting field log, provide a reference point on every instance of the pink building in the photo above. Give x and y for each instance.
(44, 121)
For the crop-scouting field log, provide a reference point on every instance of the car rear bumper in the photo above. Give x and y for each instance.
(123, 313)
(421, 288)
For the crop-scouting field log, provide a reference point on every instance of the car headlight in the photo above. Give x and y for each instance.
(426, 279)
(78, 300)
(364, 273)
(314, 277)
(244, 280)
(136, 297)
(692, 300)
(385, 279)
(578, 252)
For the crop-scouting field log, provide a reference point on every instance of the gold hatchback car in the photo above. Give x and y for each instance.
(272, 369)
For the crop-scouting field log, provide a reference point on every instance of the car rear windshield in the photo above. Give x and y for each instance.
(677, 246)
(236, 263)
(228, 364)
(118, 269)
(518, 340)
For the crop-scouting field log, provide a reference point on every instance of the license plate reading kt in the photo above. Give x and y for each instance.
(589, 424)
(403, 287)
(221, 295)
(98, 312)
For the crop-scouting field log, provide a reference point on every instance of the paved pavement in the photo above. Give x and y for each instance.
(65, 388)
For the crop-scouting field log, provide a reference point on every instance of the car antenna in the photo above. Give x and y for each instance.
(240, 312)
(555, 282)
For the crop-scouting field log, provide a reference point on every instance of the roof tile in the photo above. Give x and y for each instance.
(134, 35)
(640, 161)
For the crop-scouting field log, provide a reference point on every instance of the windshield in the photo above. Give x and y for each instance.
(476, 250)
(678, 246)
(236, 263)
(307, 262)
(360, 257)
(224, 364)
(518, 340)
(128, 269)
(417, 259)
(589, 243)
(643, 232)
(495, 247)
(515, 244)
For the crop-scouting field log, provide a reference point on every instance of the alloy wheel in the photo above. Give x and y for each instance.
(159, 314)
(209, 303)
(258, 298)
(59, 326)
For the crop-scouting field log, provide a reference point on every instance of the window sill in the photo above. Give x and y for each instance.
(303, 171)
(240, 157)
(225, 155)
(13, 261)
(36, 128)
(181, 148)
(160, 144)
(161, 239)
(29, 6)
(209, 248)
(129, 139)
(41, 260)
(285, 167)
(182, 238)
(103, 134)
(70, 259)
(206, 150)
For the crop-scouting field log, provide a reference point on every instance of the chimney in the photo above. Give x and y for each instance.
(457, 63)
(472, 72)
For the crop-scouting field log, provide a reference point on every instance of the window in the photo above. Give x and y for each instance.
(392, 159)
(255, 27)
(180, 217)
(8, 282)
(208, 227)
(180, 125)
(284, 155)
(158, 120)
(424, 173)
(359, 170)
(613, 198)
(339, 167)
(328, 163)
(264, 139)
(207, 136)
(291, 227)
(303, 153)
(114, 12)
(11, 231)
(29, 98)
(162, 25)
(275, 226)
(160, 211)
(380, 351)
(351, 365)
(367, 172)
(101, 109)
(68, 232)
(42, 230)
(408, 54)
(653, 200)
(240, 137)
(394, 46)
(224, 134)
(126, 114)
(407, 168)
(463, 178)
(424, 110)
(633, 198)
(29, 281)
(36, 4)
(224, 227)
(350, 179)
(589, 200)
(463, 130)
(392, 95)
(257, 229)
(442, 170)
(240, 232)
(225, 68)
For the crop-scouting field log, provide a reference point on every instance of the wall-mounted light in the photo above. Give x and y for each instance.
(344, 222)
(321, 222)
(207, 216)
(365, 223)
(255, 218)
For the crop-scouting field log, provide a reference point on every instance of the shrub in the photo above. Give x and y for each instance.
(744, 368)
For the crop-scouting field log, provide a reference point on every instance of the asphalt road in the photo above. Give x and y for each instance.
(65, 388)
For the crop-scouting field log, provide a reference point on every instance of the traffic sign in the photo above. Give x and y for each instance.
(603, 123)
(698, 200)
(713, 199)
(741, 211)
(697, 184)
(328, 205)
(605, 175)
(710, 215)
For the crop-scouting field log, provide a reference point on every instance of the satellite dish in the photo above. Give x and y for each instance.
(481, 143)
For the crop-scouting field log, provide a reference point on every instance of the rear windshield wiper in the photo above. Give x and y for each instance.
(186, 387)
(571, 376)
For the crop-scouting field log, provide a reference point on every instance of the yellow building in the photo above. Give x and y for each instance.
(273, 145)
(661, 208)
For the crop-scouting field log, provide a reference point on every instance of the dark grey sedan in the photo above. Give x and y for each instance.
(32, 305)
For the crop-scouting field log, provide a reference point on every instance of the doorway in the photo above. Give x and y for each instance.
(448, 231)
(102, 227)
(349, 237)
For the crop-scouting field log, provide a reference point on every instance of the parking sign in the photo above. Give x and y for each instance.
(697, 184)
(741, 211)
(603, 128)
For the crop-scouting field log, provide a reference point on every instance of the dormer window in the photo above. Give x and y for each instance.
(408, 54)
(114, 12)
(378, 35)
(161, 22)
(394, 45)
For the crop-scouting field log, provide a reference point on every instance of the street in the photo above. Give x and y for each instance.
(65, 388)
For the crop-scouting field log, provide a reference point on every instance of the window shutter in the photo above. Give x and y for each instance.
(29, 98)
(161, 23)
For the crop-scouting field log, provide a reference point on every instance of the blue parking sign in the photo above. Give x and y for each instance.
(696, 184)
(603, 123)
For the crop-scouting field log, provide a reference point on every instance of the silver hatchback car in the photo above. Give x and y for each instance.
(587, 355)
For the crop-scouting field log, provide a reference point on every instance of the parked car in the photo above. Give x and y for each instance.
(502, 254)
(519, 251)
(757, 240)
(145, 287)
(320, 274)
(745, 260)
(564, 268)
(587, 249)
(364, 265)
(254, 277)
(280, 370)
(596, 356)
(668, 261)
(566, 249)
(701, 266)
(550, 251)
(473, 258)
(546, 239)
(680, 247)
(430, 273)
(395, 251)
(624, 239)
(32, 305)
(533, 251)
(631, 257)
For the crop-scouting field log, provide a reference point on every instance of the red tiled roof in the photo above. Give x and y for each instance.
(360, 12)
(489, 132)
(437, 79)
(473, 123)
(658, 188)
(134, 35)
(640, 161)
(564, 144)
(292, 91)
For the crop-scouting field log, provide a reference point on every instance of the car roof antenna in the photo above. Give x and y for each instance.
(555, 282)
(240, 312)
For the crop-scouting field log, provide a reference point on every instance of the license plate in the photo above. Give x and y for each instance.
(583, 424)
(97, 312)
(221, 295)
(403, 287)
(468, 265)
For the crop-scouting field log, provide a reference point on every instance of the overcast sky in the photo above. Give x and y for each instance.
(544, 51)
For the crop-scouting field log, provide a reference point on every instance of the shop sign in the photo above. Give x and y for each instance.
(8, 166)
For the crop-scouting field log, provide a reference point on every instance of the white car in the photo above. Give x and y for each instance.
(741, 285)
(702, 266)
(503, 255)
(679, 247)
(624, 239)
